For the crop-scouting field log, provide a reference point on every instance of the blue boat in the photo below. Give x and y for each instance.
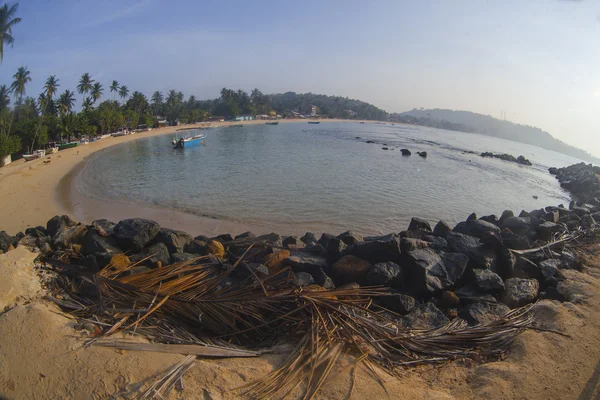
(188, 141)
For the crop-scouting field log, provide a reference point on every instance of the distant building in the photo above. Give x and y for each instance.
(163, 123)
(313, 111)
(245, 117)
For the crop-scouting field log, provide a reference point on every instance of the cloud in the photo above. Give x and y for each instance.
(596, 93)
(119, 14)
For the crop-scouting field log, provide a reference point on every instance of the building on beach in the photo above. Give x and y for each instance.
(245, 117)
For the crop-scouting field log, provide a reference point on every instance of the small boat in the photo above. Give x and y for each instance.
(272, 123)
(235, 126)
(84, 141)
(314, 122)
(69, 145)
(52, 148)
(181, 142)
(35, 155)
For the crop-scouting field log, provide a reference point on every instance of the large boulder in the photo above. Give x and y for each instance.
(483, 313)
(425, 316)
(384, 274)
(547, 230)
(181, 257)
(69, 235)
(275, 261)
(505, 215)
(514, 241)
(419, 224)
(5, 241)
(245, 235)
(333, 246)
(487, 281)
(154, 256)
(480, 256)
(306, 262)
(176, 241)
(303, 279)
(476, 228)
(431, 272)
(520, 292)
(293, 242)
(59, 223)
(350, 269)
(37, 232)
(135, 233)
(350, 238)
(441, 229)
(378, 249)
(309, 238)
(94, 243)
(104, 227)
(517, 225)
(197, 247)
(410, 244)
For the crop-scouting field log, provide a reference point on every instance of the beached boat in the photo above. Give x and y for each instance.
(62, 146)
(272, 123)
(235, 126)
(35, 155)
(84, 141)
(314, 122)
(182, 142)
(52, 148)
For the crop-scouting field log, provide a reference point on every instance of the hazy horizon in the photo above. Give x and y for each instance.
(537, 62)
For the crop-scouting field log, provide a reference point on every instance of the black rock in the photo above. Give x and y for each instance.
(293, 242)
(38, 232)
(303, 279)
(505, 264)
(441, 229)
(309, 238)
(547, 230)
(419, 224)
(203, 238)
(436, 242)
(517, 225)
(380, 249)
(470, 294)
(59, 223)
(197, 247)
(154, 254)
(492, 219)
(245, 235)
(384, 274)
(569, 260)
(551, 216)
(271, 239)
(224, 238)
(472, 217)
(429, 272)
(520, 292)
(487, 281)
(335, 247)
(94, 243)
(68, 235)
(409, 244)
(322, 279)
(350, 238)
(505, 215)
(549, 268)
(479, 255)
(422, 154)
(397, 302)
(587, 221)
(425, 316)
(176, 241)
(5, 241)
(135, 233)
(483, 313)
(104, 227)
(405, 152)
(181, 257)
(514, 241)
(476, 228)
(306, 262)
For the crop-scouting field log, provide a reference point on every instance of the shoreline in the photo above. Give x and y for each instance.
(32, 192)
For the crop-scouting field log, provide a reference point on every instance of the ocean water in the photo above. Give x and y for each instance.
(296, 177)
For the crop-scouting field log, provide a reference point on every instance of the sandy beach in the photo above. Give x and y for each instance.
(33, 192)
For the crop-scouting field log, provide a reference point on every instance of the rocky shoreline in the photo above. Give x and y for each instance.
(477, 270)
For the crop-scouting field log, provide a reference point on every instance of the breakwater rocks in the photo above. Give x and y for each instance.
(582, 180)
(507, 157)
(475, 271)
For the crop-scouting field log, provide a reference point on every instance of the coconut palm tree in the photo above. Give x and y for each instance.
(4, 98)
(51, 86)
(21, 79)
(96, 92)
(114, 87)
(157, 98)
(6, 24)
(66, 101)
(87, 104)
(85, 83)
(123, 92)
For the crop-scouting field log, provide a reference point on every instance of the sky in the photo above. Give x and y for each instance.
(536, 61)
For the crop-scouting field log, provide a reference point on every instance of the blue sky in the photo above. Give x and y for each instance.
(537, 60)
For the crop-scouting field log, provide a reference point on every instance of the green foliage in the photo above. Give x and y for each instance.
(9, 145)
(25, 130)
(7, 21)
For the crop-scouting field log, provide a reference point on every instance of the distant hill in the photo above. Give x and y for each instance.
(466, 121)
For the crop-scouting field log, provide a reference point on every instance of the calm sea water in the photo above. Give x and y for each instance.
(297, 177)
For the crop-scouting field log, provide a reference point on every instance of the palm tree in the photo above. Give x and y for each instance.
(51, 86)
(114, 87)
(21, 78)
(96, 92)
(123, 92)
(4, 98)
(66, 101)
(87, 104)
(6, 24)
(157, 98)
(85, 83)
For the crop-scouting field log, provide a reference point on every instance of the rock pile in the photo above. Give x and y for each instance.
(507, 157)
(472, 271)
(583, 183)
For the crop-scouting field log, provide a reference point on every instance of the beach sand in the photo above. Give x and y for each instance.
(33, 192)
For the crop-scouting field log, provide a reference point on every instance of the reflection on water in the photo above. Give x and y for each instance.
(300, 177)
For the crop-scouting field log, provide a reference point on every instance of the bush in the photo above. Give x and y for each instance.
(8, 145)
